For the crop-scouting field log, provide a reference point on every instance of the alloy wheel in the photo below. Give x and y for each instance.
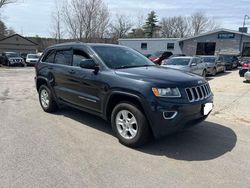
(126, 124)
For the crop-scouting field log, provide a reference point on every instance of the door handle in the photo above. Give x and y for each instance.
(50, 68)
(72, 72)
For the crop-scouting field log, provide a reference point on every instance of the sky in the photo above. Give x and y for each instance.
(33, 17)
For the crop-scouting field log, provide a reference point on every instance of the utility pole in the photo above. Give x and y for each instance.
(246, 17)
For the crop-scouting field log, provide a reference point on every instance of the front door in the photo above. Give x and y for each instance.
(85, 85)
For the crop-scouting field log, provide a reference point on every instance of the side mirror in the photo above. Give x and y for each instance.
(193, 64)
(89, 64)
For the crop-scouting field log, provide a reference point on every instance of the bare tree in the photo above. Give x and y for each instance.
(86, 19)
(174, 27)
(3, 29)
(5, 2)
(120, 26)
(200, 23)
(57, 24)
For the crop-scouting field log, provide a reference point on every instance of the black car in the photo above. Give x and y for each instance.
(214, 66)
(230, 61)
(244, 69)
(12, 59)
(122, 86)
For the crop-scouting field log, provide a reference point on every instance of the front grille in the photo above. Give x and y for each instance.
(198, 93)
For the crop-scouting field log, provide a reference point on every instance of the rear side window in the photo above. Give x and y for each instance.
(50, 57)
(63, 57)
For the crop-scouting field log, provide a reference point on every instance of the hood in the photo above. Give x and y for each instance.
(180, 67)
(159, 74)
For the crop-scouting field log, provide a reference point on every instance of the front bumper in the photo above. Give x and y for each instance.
(187, 113)
(16, 64)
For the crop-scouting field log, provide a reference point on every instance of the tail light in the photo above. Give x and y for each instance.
(245, 65)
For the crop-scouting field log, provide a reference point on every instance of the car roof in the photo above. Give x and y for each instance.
(80, 44)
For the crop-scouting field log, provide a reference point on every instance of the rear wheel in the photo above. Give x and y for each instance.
(130, 125)
(46, 100)
(204, 73)
(224, 69)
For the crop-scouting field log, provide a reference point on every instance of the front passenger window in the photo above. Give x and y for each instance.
(79, 56)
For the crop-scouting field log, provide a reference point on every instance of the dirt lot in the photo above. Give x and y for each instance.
(75, 149)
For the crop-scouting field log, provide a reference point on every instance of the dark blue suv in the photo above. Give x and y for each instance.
(139, 98)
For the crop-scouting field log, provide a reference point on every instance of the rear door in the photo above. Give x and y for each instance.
(61, 70)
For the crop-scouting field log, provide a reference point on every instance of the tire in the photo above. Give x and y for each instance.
(224, 69)
(204, 73)
(131, 135)
(214, 71)
(47, 102)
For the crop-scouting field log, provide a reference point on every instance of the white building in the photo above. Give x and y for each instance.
(152, 45)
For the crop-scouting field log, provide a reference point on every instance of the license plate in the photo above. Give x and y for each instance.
(208, 107)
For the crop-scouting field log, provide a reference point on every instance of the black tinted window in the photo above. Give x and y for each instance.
(170, 46)
(116, 57)
(79, 56)
(49, 58)
(63, 57)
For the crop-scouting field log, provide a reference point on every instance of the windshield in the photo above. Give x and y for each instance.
(33, 56)
(209, 59)
(12, 55)
(117, 57)
(227, 57)
(179, 61)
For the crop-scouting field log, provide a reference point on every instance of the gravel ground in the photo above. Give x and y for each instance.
(75, 149)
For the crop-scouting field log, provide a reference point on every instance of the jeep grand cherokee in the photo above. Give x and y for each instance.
(122, 86)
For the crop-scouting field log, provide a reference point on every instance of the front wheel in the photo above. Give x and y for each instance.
(214, 72)
(47, 102)
(130, 125)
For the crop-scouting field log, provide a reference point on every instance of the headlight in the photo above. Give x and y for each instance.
(166, 92)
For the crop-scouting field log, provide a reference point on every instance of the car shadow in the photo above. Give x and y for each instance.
(219, 75)
(86, 119)
(206, 141)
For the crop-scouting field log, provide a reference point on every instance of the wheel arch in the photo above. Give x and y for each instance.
(117, 97)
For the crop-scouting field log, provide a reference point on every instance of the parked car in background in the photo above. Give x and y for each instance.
(1, 59)
(12, 59)
(159, 56)
(214, 66)
(23, 55)
(247, 75)
(189, 64)
(244, 60)
(174, 55)
(122, 86)
(231, 61)
(245, 67)
(32, 59)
